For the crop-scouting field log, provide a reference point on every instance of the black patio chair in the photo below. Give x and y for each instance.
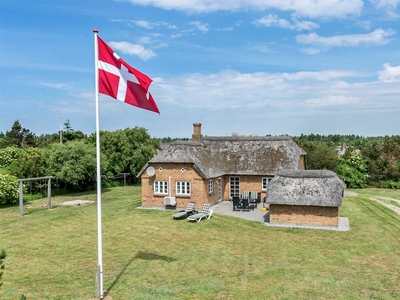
(245, 204)
(236, 203)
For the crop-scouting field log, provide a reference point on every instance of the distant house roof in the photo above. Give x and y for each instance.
(217, 156)
(306, 187)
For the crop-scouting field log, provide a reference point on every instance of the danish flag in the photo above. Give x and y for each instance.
(122, 82)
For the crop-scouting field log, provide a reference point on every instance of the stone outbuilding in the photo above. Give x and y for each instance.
(305, 197)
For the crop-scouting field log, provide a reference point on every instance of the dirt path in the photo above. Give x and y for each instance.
(384, 201)
(350, 194)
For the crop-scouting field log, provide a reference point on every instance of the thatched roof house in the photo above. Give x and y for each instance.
(217, 156)
(305, 197)
(212, 169)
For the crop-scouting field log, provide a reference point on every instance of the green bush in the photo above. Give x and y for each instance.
(8, 155)
(390, 184)
(2, 257)
(353, 170)
(8, 189)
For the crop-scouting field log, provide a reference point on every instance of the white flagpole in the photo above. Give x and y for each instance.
(99, 227)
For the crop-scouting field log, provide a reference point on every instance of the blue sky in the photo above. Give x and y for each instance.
(248, 67)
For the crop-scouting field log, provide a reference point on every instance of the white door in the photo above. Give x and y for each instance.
(219, 189)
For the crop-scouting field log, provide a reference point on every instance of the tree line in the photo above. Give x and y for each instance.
(71, 161)
(70, 157)
(366, 161)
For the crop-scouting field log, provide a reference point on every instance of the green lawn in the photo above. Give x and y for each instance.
(148, 255)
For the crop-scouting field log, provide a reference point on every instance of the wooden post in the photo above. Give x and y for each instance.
(49, 193)
(21, 200)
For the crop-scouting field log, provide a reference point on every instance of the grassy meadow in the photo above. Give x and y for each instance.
(52, 254)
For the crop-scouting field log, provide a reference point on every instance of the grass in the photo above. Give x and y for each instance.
(148, 255)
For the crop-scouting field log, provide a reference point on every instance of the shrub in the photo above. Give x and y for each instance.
(8, 189)
(390, 184)
(2, 257)
(8, 155)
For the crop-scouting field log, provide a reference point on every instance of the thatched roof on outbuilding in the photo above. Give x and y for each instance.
(306, 187)
(217, 156)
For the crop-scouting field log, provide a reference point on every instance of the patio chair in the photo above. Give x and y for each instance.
(245, 195)
(236, 202)
(189, 210)
(253, 199)
(245, 204)
(205, 212)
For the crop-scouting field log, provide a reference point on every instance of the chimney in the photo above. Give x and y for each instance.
(197, 136)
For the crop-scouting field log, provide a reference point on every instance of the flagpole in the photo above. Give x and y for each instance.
(99, 275)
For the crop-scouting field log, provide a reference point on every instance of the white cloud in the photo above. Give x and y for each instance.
(55, 85)
(389, 5)
(227, 89)
(386, 3)
(224, 29)
(307, 8)
(133, 49)
(261, 47)
(332, 100)
(310, 51)
(377, 37)
(272, 20)
(143, 24)
(389, 74)
(203, 27)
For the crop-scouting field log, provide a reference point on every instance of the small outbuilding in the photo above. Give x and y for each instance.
(305, 197)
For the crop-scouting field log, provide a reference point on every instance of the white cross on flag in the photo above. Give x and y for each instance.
(122, 82)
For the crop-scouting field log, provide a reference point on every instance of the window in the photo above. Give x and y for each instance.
(183, 188)
(234, 186)
(210, 186)
(160, 187)
(264, 183)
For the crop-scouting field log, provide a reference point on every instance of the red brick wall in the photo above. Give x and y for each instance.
(301, 214)
(247, 183)
(199, 187)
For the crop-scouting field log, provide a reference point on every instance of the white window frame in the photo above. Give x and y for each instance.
(211, 186)
(264, 183)
(183, 188)
(160, 187)
(233, 187)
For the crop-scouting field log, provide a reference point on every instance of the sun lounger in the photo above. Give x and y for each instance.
(189, 210)
(205, 212)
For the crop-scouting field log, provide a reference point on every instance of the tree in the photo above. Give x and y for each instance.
(73, 165)
(320, 156)
(18, 136)
(70, 134)
(127, 150)
(30, 163)
(2, 257)
(352, 169)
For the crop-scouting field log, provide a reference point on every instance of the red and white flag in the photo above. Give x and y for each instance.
(122, 82)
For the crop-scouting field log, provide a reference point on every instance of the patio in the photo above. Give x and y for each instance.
(226, 208)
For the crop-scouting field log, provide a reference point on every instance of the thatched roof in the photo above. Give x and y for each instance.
(218, 156)
(306, 187)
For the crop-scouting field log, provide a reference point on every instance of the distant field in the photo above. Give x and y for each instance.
(148, 255)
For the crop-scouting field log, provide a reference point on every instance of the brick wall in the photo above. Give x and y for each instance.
(173, 173)
(307, 215)
(247, 183)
